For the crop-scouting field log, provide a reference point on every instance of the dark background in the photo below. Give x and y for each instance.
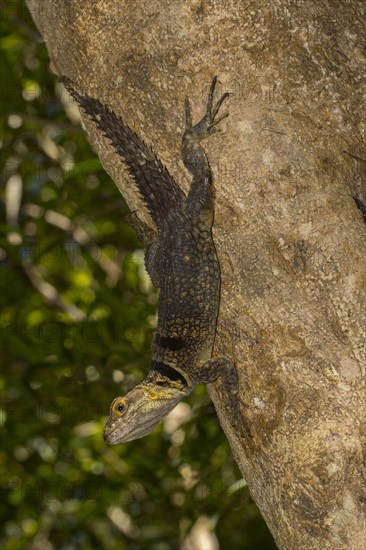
(77, 319)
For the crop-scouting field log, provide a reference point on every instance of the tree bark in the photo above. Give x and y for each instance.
(291, 241)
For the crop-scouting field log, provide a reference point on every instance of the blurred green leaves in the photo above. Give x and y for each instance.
(77, 319)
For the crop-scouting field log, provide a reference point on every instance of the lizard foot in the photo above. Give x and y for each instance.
(207, 125)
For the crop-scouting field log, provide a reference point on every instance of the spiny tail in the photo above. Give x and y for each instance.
(156, 186)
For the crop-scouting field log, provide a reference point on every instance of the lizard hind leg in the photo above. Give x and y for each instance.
(200, 197)
(150, 240)
(152, 261)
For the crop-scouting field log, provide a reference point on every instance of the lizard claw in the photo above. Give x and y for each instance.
(206, 126)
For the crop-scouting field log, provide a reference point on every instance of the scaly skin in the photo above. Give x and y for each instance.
(181, 259)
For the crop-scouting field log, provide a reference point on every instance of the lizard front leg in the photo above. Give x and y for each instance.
(224, 368)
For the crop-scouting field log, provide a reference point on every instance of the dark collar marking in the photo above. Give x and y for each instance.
(169, 372)
(172, 343)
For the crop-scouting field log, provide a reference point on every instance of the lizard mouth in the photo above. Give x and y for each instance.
(116, 434)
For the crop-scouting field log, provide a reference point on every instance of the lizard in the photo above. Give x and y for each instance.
(181, 259)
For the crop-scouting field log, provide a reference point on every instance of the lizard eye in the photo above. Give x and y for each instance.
(119, 406)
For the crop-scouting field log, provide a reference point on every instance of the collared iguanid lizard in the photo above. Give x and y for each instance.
(181, 260)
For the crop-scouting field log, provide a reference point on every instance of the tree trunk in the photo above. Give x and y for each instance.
(291, 241)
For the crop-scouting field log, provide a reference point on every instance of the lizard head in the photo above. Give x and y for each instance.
(140, 411)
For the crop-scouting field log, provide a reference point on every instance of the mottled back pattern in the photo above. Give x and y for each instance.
(181, 259)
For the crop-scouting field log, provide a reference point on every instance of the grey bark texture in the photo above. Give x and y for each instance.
(291, 242)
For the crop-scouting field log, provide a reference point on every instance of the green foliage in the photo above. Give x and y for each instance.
(77, 319)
